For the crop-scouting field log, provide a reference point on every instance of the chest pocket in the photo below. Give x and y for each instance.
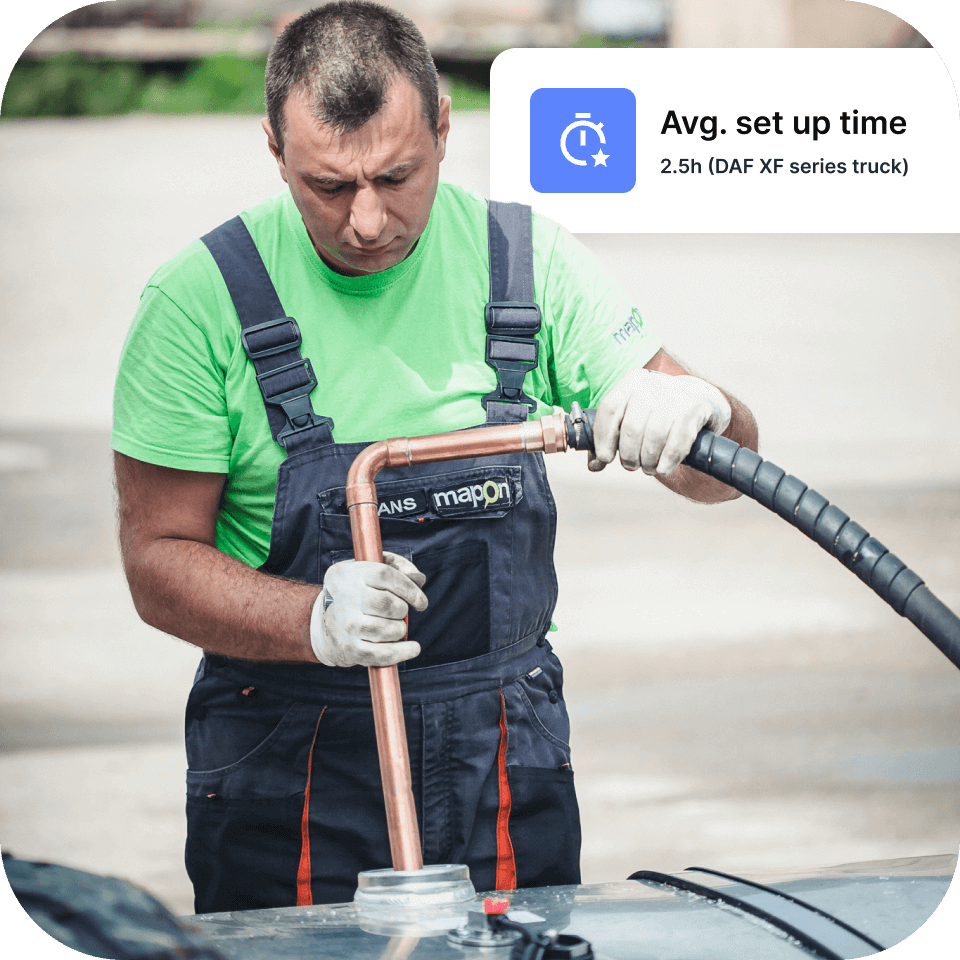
(475, 493)
(457, 528)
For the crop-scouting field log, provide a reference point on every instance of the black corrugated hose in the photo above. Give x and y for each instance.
(822, 522)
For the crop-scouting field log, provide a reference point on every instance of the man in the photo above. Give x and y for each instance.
(234, 529)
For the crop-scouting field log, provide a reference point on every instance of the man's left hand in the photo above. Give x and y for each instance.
(652, 418)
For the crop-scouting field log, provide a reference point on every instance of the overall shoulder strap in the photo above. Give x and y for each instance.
(270, 338)
(512, 316)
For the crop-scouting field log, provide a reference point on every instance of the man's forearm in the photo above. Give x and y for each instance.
(198, 593)
(698, 486)
(182, 584)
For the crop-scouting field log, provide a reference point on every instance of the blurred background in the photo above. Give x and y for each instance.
(739, 700)
(198, 56)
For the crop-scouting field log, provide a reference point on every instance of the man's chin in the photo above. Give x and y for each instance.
(354, 263)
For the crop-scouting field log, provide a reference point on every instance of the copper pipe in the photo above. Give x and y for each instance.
(547, 434)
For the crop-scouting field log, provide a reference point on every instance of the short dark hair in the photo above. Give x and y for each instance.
(344, 56)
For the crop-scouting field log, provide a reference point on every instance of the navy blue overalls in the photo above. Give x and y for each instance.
(284, 800)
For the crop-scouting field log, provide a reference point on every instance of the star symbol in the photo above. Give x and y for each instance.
(600, 158)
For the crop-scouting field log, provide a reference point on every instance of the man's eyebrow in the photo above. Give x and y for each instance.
(326, 181)
(391, 174)
(401, 168)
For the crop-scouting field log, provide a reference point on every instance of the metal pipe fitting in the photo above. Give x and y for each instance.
(549, 434)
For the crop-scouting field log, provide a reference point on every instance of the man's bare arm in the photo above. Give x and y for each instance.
(182, 584)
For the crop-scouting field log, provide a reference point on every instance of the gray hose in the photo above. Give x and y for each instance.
(825, 524)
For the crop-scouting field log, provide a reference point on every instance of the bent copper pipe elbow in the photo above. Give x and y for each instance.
(548, 435)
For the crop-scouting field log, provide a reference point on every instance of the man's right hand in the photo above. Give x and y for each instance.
(359, 619)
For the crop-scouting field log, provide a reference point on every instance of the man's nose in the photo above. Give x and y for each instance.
(367, 214)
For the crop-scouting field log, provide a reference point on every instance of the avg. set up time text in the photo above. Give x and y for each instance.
(815, 126)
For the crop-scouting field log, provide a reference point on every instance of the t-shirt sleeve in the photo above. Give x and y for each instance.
(596, 334)
(169, 405)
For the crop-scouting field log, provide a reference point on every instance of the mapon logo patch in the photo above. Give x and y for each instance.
(583, 140)
(473, 497)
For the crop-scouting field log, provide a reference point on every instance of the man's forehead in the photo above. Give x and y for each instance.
(392, 141)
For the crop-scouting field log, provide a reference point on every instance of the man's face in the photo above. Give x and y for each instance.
(365, 197)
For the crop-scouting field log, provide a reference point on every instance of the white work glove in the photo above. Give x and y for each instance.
(652, 419)
(359, 617)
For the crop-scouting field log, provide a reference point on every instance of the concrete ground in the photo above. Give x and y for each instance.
(738, 699)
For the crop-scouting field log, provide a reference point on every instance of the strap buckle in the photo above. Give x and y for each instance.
(512, 358)
(277, 347)
(294, 402)
(512, 317)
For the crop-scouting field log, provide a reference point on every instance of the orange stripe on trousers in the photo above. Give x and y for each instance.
(506, 865)
(304, 892)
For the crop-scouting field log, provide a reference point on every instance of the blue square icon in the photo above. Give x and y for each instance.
(583, 140)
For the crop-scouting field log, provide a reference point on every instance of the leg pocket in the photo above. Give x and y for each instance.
(544, 826)
(244, 816)
(233, 755)
(229, 724)
(537, 722)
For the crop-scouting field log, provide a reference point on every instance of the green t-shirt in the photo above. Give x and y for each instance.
(397, 353)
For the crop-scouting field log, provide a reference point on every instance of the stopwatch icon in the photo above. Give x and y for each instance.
(597, 149)
(583, 120)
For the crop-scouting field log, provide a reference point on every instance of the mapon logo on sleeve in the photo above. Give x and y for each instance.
(583, 140)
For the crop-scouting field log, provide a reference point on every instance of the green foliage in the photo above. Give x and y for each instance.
(223, 84)
(74, 86)
(468, 96)
(598, 40)
(71, 85)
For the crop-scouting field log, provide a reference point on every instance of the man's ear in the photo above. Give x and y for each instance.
(443, 125)
(274, 147)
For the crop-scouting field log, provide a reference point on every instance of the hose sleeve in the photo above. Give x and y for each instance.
(887, 575)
